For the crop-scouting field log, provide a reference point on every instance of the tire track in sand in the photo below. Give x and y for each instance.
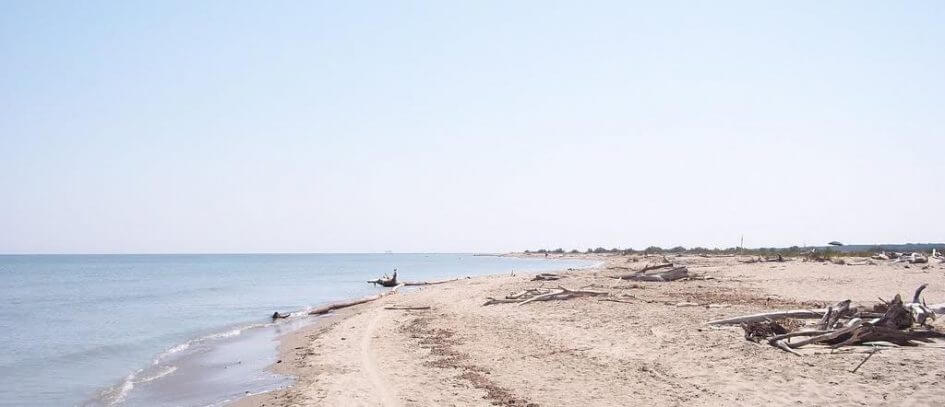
(370, 365)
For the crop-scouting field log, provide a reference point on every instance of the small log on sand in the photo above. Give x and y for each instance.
(331, 307)
(547, 277)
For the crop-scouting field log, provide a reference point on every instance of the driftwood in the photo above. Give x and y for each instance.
(669, 275)
(649, 267)
(386, 281)
(331, 307)
(864, 360)
(842, 325)
(394, 307)
(278, 315)
(416, 283)
(771, 316)
(392, 281)
(537, 294)
(547, 277)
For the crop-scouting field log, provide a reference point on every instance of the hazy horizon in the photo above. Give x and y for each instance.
(235, 127)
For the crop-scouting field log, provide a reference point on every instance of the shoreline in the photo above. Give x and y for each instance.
(463, 353)
(204, 355)
(291, 345)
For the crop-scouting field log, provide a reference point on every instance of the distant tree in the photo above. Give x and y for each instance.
(574, 251)
(600, 250)
(558, 251)
(654, 249)
(677, 249)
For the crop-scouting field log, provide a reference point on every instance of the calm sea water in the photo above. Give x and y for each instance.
(123, 329)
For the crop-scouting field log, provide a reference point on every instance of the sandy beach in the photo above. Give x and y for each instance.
(584, 351)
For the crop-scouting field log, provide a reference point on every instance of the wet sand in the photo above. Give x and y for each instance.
(588, 352)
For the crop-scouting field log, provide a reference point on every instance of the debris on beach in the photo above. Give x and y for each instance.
(391, 281)
(778, 259)
(648, 273)
(893, 322)
(386, 281)
(547, 277)
(543, 294)
(331, 307)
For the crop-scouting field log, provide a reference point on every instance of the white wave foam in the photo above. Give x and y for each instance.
(163, 372)
(228, 334)
(117, 394)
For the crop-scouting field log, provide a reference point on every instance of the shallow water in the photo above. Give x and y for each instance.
(127, 329)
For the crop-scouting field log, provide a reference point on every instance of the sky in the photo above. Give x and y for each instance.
(440, 126)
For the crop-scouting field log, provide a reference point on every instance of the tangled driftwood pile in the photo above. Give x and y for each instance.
(911, 258)
(892, 322)
(649, 273)
(543, 294)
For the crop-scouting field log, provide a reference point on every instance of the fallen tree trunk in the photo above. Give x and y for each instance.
(416, 283)
(392, 281)
(670, 275)
(547, 277)
(331, 307)
(649, 267)
(771, 316)
(385, 281)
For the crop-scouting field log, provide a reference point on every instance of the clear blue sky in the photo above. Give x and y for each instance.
(441, 126)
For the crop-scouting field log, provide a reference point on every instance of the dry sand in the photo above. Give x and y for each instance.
(587, 352)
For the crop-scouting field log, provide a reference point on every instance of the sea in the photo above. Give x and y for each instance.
(182, 329)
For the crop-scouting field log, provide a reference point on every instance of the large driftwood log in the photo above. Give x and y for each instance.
(386, 281)
(547, 277)
(669, 275)
(392, 281)
(649, 267)
(771, 316)
(331, 307)
(416, 283)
